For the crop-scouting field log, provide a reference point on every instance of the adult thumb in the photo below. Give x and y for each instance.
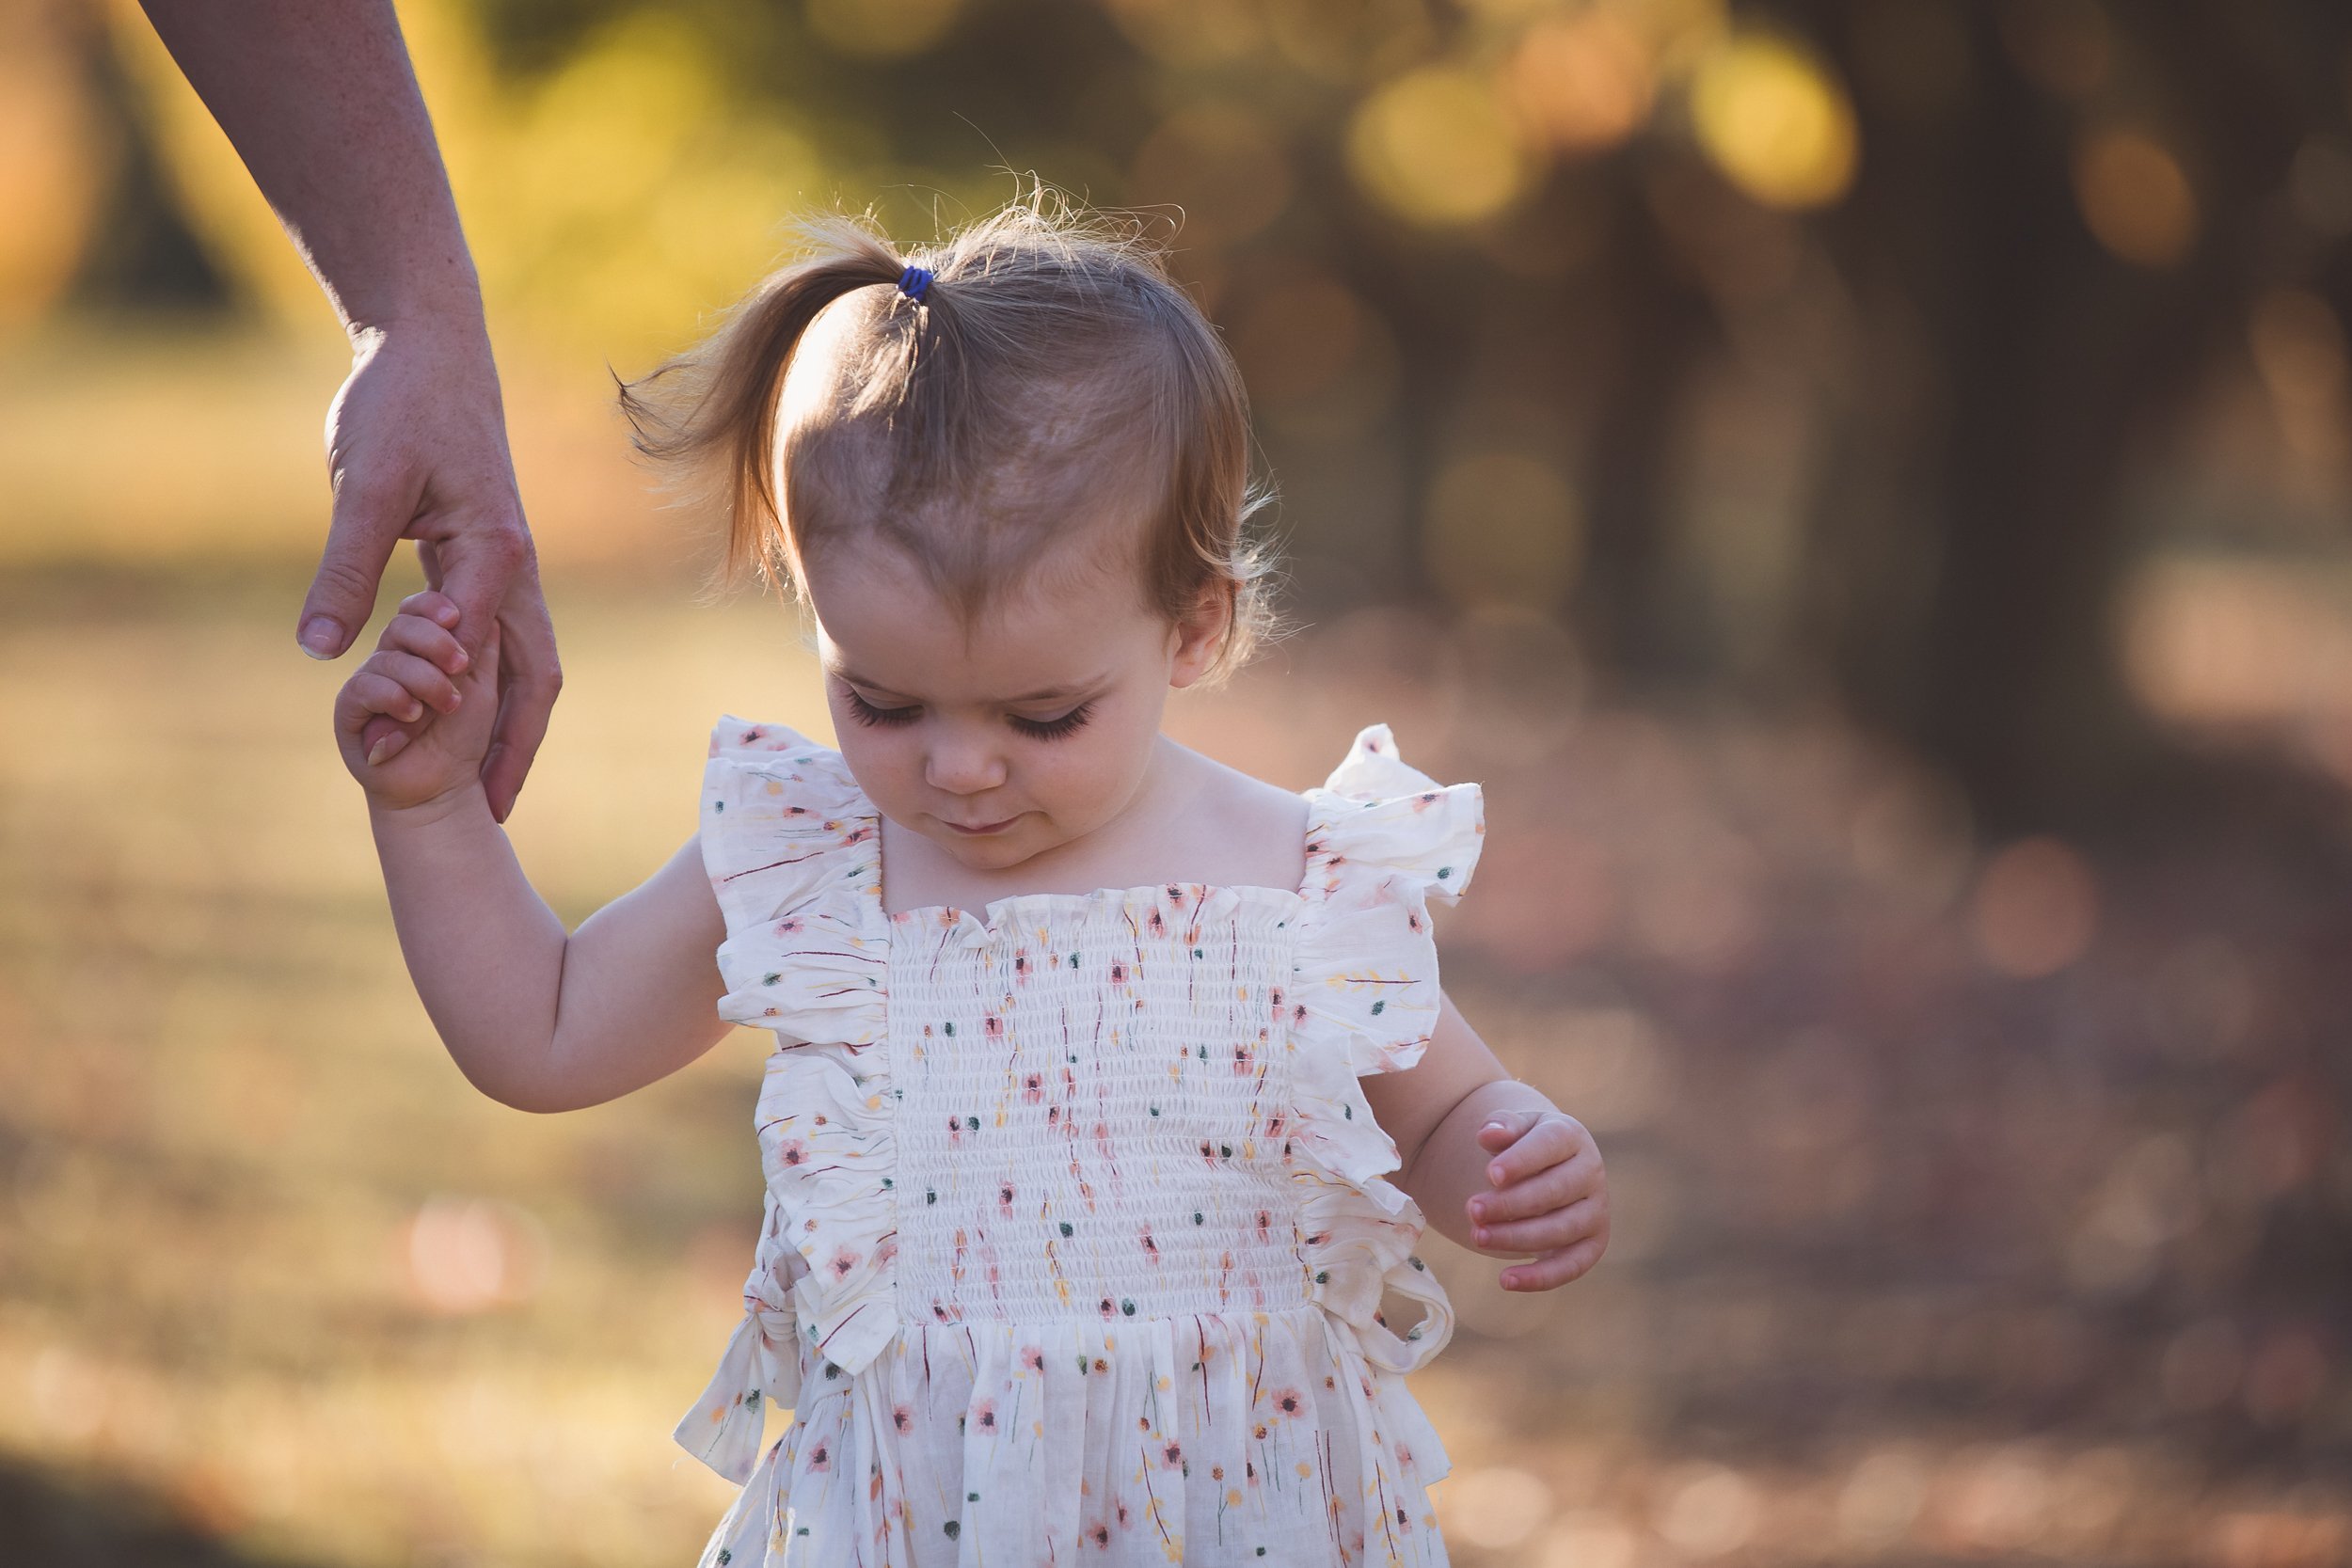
(368, 517)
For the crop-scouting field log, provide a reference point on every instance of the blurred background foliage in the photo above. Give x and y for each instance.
(1862, 482)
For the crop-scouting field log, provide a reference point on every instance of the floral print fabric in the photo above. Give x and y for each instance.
(1077, 1228)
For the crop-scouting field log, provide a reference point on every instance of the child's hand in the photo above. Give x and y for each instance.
(418, 664)
(1548, 1195)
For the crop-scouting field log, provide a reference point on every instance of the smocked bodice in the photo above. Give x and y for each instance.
(1075, 1112)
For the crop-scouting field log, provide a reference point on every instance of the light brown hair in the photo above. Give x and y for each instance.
(1053, 385)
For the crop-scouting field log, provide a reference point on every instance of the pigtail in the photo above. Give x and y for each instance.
(709, 414)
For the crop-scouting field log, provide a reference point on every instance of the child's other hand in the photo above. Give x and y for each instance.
(418, 664)
(1548, 1195)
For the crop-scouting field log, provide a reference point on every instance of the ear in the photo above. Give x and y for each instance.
(1202, 632)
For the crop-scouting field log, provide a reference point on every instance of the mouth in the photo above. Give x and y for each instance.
(984, 828)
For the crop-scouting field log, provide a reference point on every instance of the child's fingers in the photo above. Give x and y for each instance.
(1554, 1268)
(427, 640)
(1554, 1228)
(1546, 1190)
(432, 605)
(370, 692)
(1544, 1138)
(419, 676)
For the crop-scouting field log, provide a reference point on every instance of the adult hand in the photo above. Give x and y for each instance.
(416, 444)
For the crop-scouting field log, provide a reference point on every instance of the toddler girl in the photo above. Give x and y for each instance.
(1093, 1056)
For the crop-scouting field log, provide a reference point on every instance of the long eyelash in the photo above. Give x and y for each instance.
(1049, 729)
(866, 713)
(1054, 729)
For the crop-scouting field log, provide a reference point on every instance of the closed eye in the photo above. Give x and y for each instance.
(1041, 729)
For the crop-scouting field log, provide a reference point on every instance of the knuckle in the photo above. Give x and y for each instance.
(506, 543)
(345, 578)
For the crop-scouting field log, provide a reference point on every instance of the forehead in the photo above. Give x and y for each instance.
(878, 619)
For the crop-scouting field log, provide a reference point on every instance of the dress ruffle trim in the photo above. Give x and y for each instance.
(1383, 840)
(791, 846)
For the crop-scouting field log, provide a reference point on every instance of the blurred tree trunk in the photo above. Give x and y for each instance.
(2055, 358)
(143, 253)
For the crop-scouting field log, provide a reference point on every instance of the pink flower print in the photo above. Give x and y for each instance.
(1004, 1198)
(1021, 966)
(790, 925)
(1289, 1401)
(1171, 1455)
(993, 1027)
(955, 1132)
(1125, 1520)
(1412, 919)
(1099, 1533)
(984, 1416)
(1275, 1123)
(820, 1457)
(1119, 973)
(1244, 1058)
(903, 1417)
(1266, 1225)
(792, 1152)
(1033, 1087)
(1151, 1247)
(844, 1261)
(859, 834)
(1156, 926)
(1033, 1357)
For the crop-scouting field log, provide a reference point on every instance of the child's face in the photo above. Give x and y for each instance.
(944, 735)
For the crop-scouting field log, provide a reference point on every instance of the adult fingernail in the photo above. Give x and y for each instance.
(321, 636)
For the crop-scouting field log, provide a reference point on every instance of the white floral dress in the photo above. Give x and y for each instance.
(1077, 1228)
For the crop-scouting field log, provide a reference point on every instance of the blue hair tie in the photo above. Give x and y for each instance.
(914, 283)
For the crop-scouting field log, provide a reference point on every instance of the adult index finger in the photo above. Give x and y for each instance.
(530, 679)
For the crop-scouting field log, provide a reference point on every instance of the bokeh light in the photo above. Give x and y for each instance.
(2134, 197)
(2036, 907)
(1582, 83)
(54, 153)
(1503, 527)
(882, 29)
(1774, 118)
(1435, 147)
(1222, 165)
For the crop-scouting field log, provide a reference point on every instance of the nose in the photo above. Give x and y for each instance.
(963, 763)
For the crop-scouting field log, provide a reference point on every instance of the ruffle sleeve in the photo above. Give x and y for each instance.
(1383, 840)
(791, 847)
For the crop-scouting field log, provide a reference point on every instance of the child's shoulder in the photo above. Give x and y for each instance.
(1246, 822)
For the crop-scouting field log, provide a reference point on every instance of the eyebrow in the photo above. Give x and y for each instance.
(1049, 694)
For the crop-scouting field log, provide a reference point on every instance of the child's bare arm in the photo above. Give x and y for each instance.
(1551, 1196)
(536, 1017)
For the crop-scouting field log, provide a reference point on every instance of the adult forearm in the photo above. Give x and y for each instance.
(486, 951)
(319, 99)
(1451, 1168)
